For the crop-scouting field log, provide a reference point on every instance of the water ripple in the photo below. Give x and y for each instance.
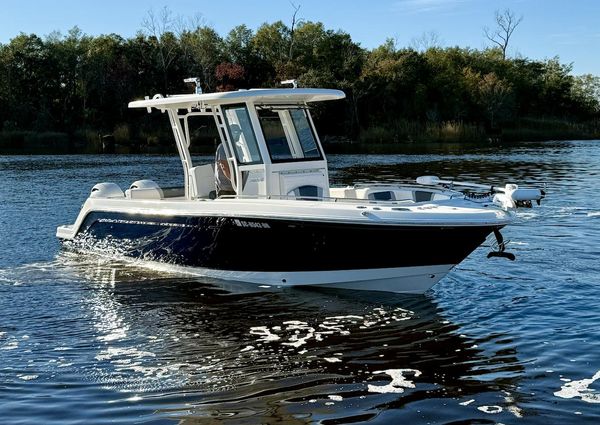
(103, 340)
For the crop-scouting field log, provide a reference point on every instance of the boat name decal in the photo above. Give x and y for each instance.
(243, 223)
(147, 223)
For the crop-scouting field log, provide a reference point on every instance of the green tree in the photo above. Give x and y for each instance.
(26, 66)
(271, 43)
(75, 82)
(556, 89)
(204, 50)
(586, 89)
(494, 96)
(238, 45)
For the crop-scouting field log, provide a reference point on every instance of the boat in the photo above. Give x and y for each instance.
(282, 224)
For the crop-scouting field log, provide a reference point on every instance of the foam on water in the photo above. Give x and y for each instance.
(27, 377)
(580, 389)
(265, 335)
(490, 409)
(12, 344)
(399, 382)
(294, 333)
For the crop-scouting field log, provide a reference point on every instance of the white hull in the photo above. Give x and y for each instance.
(406, 280)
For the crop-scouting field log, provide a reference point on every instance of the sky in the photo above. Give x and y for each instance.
(569, 29)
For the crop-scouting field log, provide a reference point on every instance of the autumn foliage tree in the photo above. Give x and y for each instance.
(230, 76)
(79, 85)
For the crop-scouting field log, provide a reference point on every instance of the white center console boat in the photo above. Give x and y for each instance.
(283, 225)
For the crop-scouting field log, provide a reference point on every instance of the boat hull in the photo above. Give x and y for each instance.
(408, 280)
(284, 252)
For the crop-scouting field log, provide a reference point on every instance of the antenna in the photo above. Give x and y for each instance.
(294, 83)
(196, 82)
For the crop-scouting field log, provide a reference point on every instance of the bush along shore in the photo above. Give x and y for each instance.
(373, 140)
(69, 93)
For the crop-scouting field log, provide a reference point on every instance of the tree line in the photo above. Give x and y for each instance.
(64, 91)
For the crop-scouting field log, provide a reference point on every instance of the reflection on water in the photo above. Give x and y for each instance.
(190, 349)
(100, 340)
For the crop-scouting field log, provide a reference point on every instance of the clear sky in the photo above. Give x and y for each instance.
(567, 28)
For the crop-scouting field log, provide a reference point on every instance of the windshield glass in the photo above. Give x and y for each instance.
(241, 134)
(288, 134)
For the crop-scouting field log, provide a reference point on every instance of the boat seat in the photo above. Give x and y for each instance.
(202, 180)
(382, 195)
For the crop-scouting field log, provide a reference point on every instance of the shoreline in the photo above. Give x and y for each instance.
(347, 148)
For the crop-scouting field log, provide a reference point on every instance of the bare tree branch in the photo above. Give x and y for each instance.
(158, 27)
(292, 28)
(426, 41)
(506, 23)
(166, 28)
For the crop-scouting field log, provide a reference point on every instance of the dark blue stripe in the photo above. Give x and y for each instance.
(279, 245)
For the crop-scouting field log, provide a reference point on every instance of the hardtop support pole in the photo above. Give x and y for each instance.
(183, 148)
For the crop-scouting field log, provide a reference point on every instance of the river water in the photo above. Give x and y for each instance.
(93, 340)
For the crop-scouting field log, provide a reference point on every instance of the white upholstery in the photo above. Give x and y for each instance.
(202, 180)
(397, 195)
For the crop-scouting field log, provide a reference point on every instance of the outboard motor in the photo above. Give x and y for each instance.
(144, 184)
(107, 190)
(144, 189)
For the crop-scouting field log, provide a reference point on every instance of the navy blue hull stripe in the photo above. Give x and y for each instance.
(266, 245)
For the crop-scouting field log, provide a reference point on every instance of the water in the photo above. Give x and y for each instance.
(90, 340)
